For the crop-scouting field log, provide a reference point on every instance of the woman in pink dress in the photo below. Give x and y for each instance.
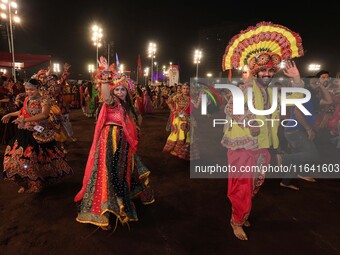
(114, 173)
(148, 108)
(139, 100)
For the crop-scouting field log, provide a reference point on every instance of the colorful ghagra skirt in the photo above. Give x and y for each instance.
(180, 142)
(27, 162)
(118, 176)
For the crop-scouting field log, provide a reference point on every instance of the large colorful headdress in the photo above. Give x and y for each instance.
(122, 80)
(41, 72)
(264, 45)
(108, 74)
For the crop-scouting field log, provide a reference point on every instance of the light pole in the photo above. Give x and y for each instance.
(146, 74)
(170, 73)
(197, 60)
(164, 73)
(209, 75)
(151, 54)
(97, 35)
(156, 64)
(9, 9)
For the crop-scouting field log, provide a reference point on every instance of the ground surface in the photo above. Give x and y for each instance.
(190, 216)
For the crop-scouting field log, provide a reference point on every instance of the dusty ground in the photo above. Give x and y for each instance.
(190, 216)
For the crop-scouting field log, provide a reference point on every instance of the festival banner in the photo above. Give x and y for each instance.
(173, 73)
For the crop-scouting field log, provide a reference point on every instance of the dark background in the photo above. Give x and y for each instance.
(62, 29)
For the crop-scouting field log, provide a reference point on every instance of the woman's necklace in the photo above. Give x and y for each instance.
(34, 98)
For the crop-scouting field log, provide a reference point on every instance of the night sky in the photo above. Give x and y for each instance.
(62, 29)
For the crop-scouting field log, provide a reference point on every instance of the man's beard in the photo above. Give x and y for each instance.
(265, 80)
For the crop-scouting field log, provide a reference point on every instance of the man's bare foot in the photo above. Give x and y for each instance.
(290, 186)
(239, 232)
(247, 223)
(308, 179)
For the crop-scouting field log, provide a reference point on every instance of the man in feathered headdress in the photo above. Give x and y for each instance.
(261, 48)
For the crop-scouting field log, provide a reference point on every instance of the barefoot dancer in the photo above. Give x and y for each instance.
(261, 48)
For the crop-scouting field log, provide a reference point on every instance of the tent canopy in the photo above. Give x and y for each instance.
(22, 60)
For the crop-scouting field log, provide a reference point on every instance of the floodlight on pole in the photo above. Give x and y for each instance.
(152, 54)
(197, 60)
(314, 67)
(90, 68)
(97, 35)
(9, 11)
(56, 68)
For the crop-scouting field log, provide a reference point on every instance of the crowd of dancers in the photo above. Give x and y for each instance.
(115, 175)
